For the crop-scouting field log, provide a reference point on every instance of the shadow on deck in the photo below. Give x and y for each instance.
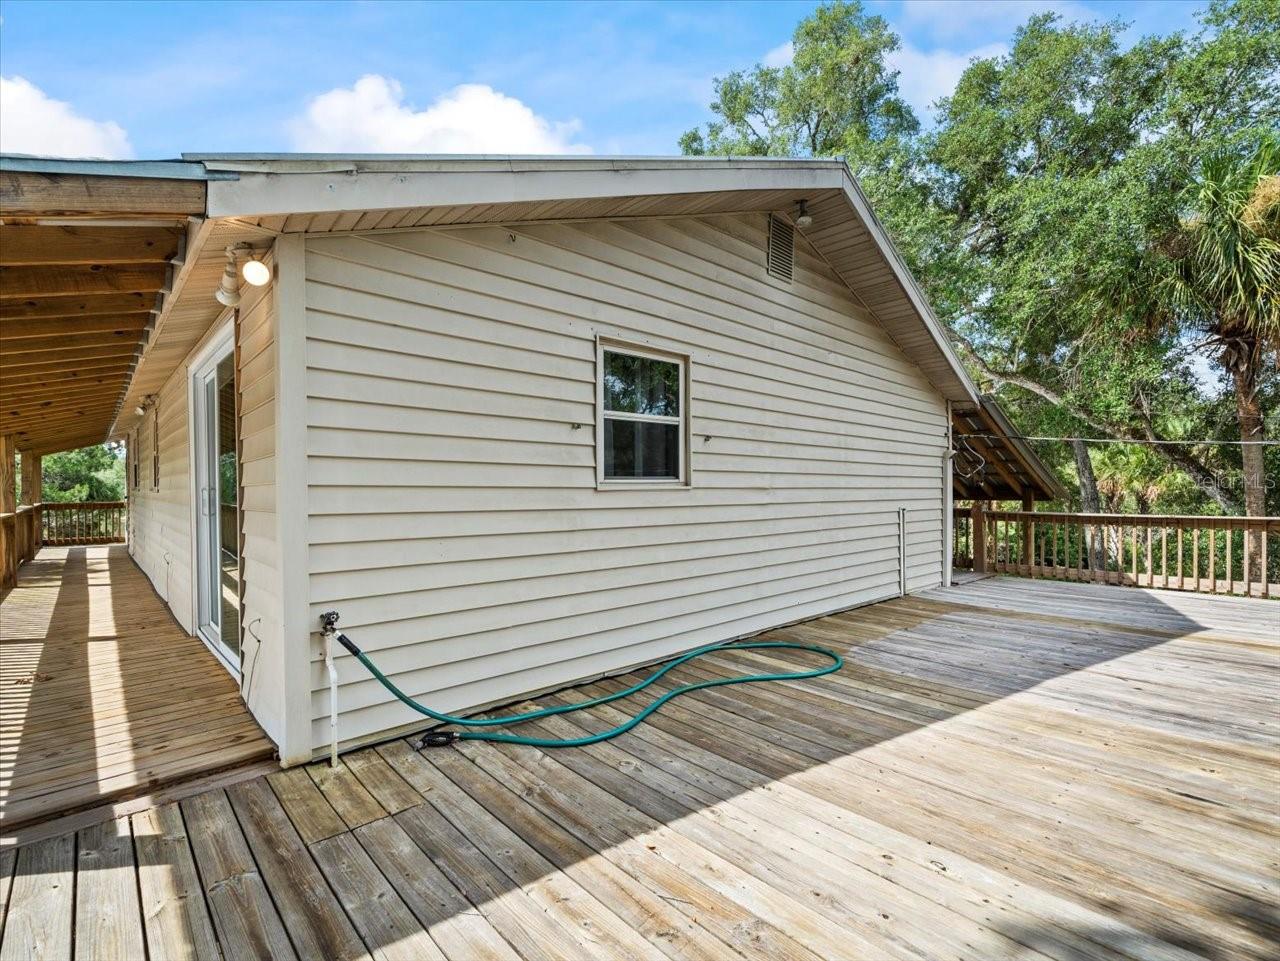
(102, 694)
(1005, 769)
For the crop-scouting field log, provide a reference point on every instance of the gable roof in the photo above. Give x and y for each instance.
(319, 193)
(255, 197)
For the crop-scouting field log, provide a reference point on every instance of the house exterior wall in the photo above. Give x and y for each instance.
(454, 518)
(162, 536)
(264, 658)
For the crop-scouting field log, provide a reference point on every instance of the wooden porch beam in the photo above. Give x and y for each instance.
(36, 195)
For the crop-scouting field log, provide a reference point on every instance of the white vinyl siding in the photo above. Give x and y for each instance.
(454, 516)
(261, 638)
(162, 540)
(160, 518)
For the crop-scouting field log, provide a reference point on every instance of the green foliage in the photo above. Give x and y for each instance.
(1224, 260)
(836, 97)
(88, 474)
(1042, 210)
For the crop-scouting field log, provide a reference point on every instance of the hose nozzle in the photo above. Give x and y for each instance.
(438, 739)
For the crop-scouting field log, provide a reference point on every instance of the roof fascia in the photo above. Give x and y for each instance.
(262, 193)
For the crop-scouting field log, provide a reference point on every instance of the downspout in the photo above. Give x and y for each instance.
(902, 552)
(948, 504)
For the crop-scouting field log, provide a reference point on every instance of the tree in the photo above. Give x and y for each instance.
(1221, 277)
(1034, 213)
(837, 97)
(88, 474)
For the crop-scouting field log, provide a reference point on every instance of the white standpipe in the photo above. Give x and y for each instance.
(329, 620)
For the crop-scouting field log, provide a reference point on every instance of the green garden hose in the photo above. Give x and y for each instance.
(437, 738)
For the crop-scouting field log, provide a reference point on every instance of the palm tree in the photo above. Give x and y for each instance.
(1224, 273)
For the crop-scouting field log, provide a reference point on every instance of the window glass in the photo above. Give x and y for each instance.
(641, 385)
(642, 436)
(637, 448)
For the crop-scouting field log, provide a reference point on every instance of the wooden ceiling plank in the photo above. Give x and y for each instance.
(33, 195)
(82, 423)
(61, 375)
(15, 330)
(87, 305)
(27, 415)
(59, 440)
(64, 442)
(18, 283)
(52, 361)
(87, 245)
(14, 349)
(30, 401)
(18, 363)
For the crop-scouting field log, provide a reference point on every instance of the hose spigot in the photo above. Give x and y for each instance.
(328, 622)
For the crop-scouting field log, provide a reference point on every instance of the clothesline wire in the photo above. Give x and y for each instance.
(1113, 440)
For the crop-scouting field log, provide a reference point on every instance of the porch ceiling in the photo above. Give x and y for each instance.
(85, 261)
(992, 462)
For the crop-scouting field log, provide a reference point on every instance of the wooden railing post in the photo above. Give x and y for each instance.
(8, 515)
(32, 479)
(979, 534)
(1028, 505)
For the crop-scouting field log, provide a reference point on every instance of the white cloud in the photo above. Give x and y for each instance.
(373, 117)
(780, 55)
(925, 76)
(33, 123)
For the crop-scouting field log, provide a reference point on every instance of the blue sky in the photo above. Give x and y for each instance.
(155, 79)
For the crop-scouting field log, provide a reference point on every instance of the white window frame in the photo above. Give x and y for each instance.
(684, 478)
(220, 338)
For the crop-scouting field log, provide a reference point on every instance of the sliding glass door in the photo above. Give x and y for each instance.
(217, 531)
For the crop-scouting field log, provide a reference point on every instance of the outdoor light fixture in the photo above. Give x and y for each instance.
(228, 292)
(255, 272)
(802, 215)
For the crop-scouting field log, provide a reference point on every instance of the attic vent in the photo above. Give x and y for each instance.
(782, 248)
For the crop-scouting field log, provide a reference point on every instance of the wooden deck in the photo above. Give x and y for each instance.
(102, 695)
(1009, 769)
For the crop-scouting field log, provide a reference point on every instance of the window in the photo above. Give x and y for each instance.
(155, 448)
(135, 461)
(641, 435)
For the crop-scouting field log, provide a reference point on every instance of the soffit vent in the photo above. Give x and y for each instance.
(782, 248)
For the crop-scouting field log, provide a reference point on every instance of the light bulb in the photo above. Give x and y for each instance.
(255, 272)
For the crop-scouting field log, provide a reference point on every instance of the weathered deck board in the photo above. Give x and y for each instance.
(1008, 769)
(102, 694)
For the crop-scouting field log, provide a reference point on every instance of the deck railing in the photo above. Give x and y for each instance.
(1215, 555)
(88, 522)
